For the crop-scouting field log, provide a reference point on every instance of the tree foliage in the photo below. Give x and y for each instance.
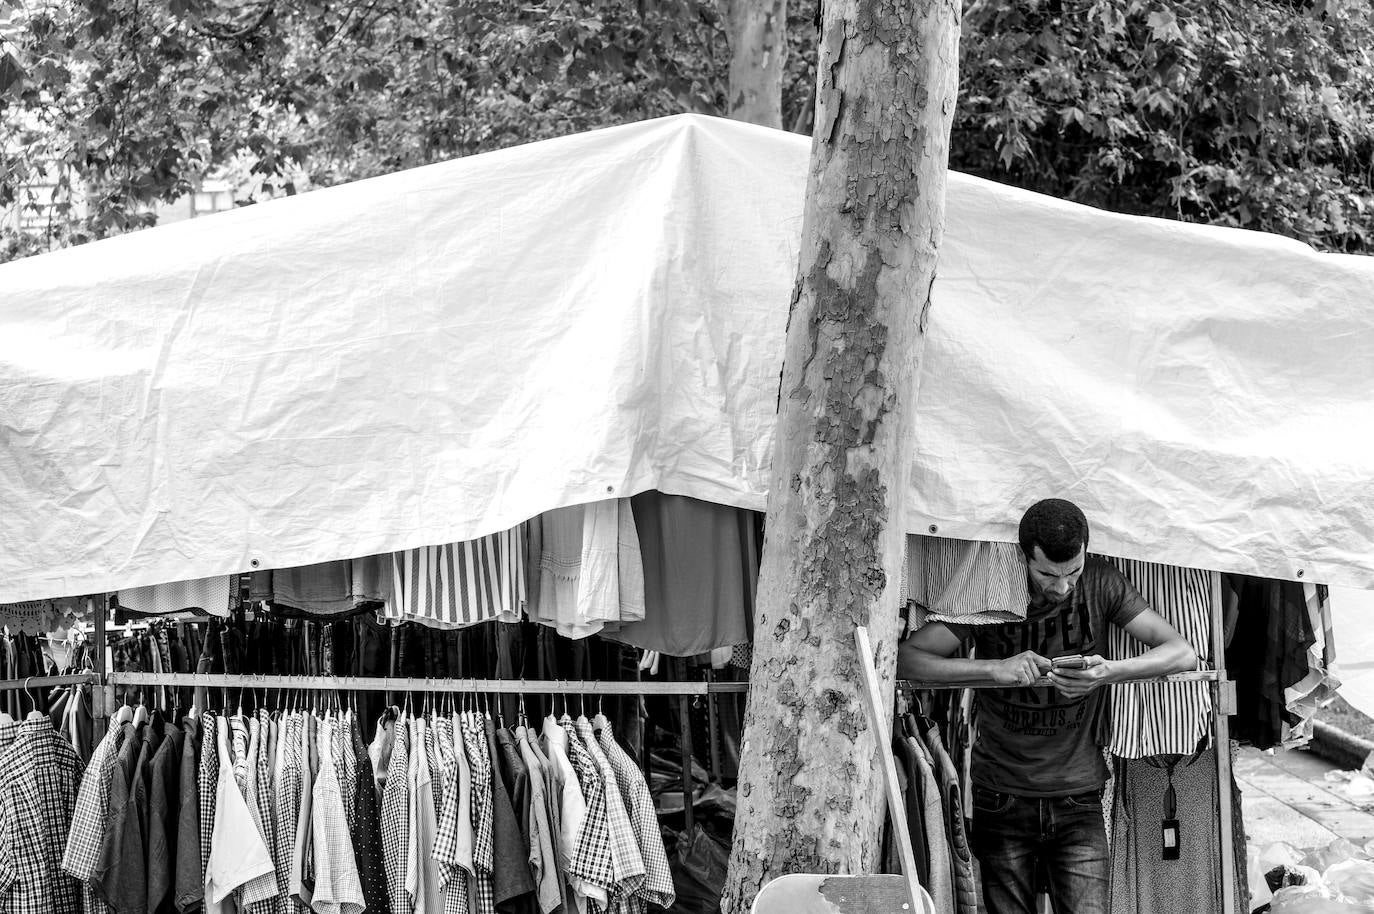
(1249, 113)
(1244, 113)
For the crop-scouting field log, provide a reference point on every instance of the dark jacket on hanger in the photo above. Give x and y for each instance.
(511, 879)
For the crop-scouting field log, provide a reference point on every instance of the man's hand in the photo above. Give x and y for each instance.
(1021, 670)
(1077, 683)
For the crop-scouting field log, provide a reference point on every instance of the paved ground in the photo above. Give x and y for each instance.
(1286, 797)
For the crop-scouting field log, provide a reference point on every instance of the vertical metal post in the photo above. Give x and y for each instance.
(712, 724)
(685, 713)
(1222, 706)
(100, 711)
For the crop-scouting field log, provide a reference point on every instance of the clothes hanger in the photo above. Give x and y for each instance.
(33, 714)
(140, 712)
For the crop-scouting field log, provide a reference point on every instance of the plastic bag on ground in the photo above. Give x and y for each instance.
(1352, 879)
(1314, 899)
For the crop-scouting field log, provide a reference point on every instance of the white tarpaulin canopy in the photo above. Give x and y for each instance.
(441, 353)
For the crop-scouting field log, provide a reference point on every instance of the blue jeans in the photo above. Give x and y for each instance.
(1065, 836)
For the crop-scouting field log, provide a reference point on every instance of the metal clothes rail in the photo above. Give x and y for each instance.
(412, 684)
(1191, 676)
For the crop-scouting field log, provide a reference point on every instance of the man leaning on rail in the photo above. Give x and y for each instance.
(1037, 768)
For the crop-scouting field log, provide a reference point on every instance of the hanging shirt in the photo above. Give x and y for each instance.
(482, 895)
(572, 814)
(258, 893)
(453, 874)
(286, 802)
(237, 854)
(591, 571)
(543, 863)
(423, 877)
(164, 801)
(207, 786)
(395, 818)
(1152, 718)
(626, 861)
(89, 816)
(337, 888)
(701, 563)
(658, 878)
(460, 584)
(40, 774)
(188, 889)
(302, 881)
(966, 581)
(590, 861)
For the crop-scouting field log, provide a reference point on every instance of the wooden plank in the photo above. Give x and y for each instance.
(872, 696)
(805, 893)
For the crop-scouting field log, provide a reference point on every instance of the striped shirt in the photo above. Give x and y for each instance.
(964, 581)
(460, 584)
(1154, 718)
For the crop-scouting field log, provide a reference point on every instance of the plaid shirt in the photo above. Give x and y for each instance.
(658, 878)
(207, 784)
(482, 896)
(337, 886)
(346, 764)
(591, 859)
(625, 856)
(396, 820)
(286, 802)
(259, 892)
(455, 867)
(40, 774)
(88, 819)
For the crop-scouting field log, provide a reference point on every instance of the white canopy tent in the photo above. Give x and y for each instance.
(438, 354)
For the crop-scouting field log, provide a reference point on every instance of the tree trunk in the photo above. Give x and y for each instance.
(810, 794)
(758, 47)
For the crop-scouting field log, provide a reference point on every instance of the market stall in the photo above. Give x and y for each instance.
(436, 356)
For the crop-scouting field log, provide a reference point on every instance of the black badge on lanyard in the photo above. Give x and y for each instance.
(1169, 836)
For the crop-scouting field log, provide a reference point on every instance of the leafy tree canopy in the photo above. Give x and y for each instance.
(1252, 113)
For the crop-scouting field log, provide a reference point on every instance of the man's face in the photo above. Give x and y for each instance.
(1055, 580)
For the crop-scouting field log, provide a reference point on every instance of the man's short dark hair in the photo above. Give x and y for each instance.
(1057, 526)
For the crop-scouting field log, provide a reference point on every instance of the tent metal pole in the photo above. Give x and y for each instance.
(100, 709)
(1223, 705)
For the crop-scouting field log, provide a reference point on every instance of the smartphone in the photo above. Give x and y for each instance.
(1071, 662)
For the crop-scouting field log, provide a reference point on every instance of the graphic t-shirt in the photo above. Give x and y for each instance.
(1035, 741)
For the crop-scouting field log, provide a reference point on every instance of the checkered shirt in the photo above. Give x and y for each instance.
(591, 858)
(453, 878)
(482, 895)
(207, 783)
(395, 816)
(259, 892)
(40, 774)
(626, 860)
(346, 764)
(337, 885)
(92, 810)
(286, 802)
(658, 878)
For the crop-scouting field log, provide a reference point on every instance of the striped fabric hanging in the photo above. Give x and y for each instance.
(1153, 718)
(460, 584)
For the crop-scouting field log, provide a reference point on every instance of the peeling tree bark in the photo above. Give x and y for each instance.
(758, 47)
(810, 796)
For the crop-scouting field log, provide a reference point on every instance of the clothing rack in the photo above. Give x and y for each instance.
(683, 690)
